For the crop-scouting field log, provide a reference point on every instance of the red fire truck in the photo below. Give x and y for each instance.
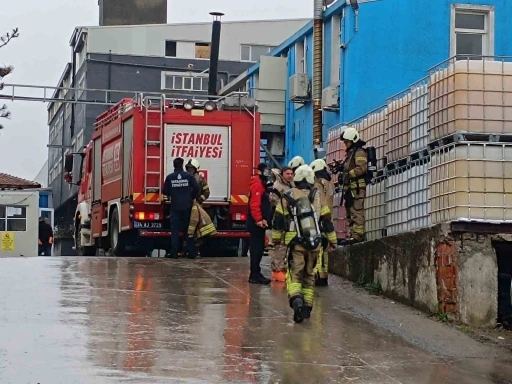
(120, 203)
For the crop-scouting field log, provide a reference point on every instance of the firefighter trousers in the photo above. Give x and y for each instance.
(278, 258)
(355, 214)
(321, 265)
(300, 277)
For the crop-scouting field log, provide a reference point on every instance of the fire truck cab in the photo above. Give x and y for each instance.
(121, 206)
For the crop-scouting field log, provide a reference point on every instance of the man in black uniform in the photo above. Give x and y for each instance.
(182, 189)
(45, 237)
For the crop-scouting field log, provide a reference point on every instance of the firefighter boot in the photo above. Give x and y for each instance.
(190, 248)
(307, 312)
(298, 310)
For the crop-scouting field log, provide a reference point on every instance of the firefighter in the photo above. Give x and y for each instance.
(299, 217)
(192, 167)
(296, 162)
(325, 186)
(182, 189)
(355, 167)
(283, 183)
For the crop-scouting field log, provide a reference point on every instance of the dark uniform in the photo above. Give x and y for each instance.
(354, 189)
(45, 238)
(182, 188)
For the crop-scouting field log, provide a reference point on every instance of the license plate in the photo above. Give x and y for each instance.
(147, 225)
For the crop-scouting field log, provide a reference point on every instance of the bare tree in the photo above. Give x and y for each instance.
(6, 70)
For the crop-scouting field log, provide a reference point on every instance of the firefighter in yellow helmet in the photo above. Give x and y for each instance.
(325, 187)
(200, 224)
(355, 167)
(296, 162)
(298, 215)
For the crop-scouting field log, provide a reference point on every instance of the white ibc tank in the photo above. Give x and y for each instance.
(418, 137)
(471, 95)
(375, 209)
(398, 126)
(471, 181)
(418, 195)
(396, 200)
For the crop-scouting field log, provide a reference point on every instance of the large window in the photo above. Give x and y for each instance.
(13, 218)
(472, 33)
(253, 52)
(176, 81)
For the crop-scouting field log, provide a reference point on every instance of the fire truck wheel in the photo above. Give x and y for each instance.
(117, 243)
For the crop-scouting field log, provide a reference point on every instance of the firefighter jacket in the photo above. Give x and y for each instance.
(283, 220)
(201, 224)
(325, 187)
(204, 189)
(354, 168)
(182, 188)
(281, 186)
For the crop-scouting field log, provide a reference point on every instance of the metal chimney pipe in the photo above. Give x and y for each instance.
(214, 53)
(318, 26)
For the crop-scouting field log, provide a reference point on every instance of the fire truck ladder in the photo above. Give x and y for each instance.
(153, 105)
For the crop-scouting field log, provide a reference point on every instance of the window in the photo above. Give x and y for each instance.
(170, 48)
(13, 218)
(81, 85)
(202, 50)
(300, 56)
(472, 31)
(335, 50)
(178, 81)
(253, 52)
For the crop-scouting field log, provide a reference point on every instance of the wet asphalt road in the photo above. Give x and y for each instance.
(109, 320)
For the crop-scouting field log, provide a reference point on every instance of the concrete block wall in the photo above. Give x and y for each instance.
(435, 270)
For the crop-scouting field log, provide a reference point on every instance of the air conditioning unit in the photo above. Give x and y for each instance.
(299, 87)
(331, 98)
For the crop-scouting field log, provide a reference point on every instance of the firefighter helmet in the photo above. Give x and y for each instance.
(296, 162)
(350, 134)
(193, 163)
(318, 165)
(304, 172)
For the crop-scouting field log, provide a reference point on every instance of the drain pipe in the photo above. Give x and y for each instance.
(318, 27)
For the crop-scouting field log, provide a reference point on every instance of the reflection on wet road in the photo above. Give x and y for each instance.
(109, 320)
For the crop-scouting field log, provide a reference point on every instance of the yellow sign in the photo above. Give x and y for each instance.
(7, 241)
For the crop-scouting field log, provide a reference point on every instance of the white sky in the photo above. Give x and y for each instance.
(40, 53)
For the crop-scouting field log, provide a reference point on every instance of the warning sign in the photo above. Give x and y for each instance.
(197, 145)
(7, 241)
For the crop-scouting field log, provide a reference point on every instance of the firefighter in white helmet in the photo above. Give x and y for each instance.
(296, 162)
(200, 225)
(204, 189)
(355, 167)
(299, 216)
(325, 187)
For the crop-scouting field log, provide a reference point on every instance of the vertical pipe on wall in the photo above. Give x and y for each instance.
(317, 72)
